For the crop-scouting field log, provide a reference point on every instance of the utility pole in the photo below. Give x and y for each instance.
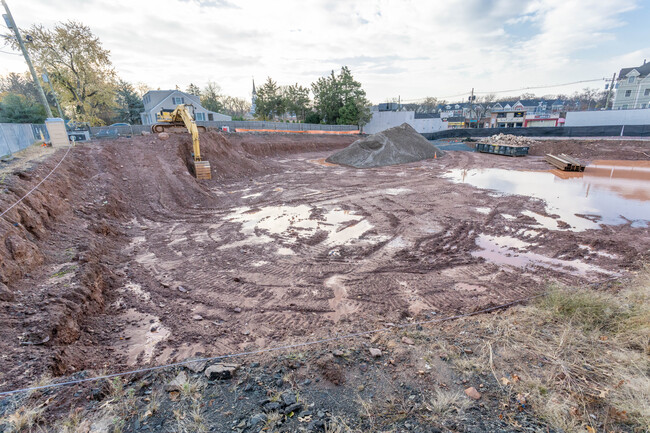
(46, 78)
(471, 108)
(609, 92)
(37, 83)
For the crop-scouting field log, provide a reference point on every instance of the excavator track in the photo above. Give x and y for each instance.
(174, 128)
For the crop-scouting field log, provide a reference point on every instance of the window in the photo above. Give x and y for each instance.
(177, 101)
(210, 117)
(628, 93)
(147, 99)
(624, 107)
(200, 116)
(630, 80)
(647, 92)
(643, 105)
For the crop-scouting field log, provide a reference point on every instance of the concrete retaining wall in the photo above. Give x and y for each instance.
(609, 117)
(18, 136)
(382, 120)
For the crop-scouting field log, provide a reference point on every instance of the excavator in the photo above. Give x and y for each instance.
(181, 119)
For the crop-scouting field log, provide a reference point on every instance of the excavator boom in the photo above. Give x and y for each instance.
(182, 119)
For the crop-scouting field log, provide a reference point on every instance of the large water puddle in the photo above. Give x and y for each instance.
(607, 192)
(294, 223)
(507, 250)
(451, 144)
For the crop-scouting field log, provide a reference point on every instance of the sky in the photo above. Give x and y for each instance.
(405, 48)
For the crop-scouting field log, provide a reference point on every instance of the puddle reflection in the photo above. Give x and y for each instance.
(608, 192)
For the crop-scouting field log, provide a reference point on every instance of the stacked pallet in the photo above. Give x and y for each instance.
(565, 162)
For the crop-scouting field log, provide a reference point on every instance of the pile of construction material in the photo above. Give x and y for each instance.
(397, 145)
(510, 140)
(565, 162)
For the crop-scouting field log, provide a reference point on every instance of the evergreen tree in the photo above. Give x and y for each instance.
(270, 101)
(18, 109)
(129, 104)
(339, 99)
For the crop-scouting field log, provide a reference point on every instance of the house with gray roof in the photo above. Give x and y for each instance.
(633, 88)
(156, 100)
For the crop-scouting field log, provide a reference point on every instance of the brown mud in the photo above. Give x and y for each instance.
(122, 258)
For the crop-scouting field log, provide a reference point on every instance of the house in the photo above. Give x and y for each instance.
(507, 118)
(633, 88)
(532, 106)
(156, 100)
(454, 110)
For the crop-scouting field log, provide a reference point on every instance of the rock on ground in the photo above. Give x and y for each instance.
(221, 371)
(398, 145)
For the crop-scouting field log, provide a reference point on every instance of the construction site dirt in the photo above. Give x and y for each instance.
(122, 258)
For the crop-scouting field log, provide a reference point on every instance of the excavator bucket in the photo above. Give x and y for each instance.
(202, 170)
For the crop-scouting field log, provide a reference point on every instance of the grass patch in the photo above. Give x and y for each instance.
(22, 420)
(580, 357)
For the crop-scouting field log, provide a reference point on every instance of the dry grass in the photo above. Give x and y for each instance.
(443, 403)
(579, 357)
(337, 425)
(22, 420)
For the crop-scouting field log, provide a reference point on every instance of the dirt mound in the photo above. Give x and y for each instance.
(242, 155)
(398, 145)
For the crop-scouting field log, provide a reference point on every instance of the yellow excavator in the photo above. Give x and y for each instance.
(181, 119)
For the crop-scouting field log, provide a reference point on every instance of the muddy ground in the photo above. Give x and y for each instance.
(123, 259)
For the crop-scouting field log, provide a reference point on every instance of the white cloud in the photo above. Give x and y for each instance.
(409, 48)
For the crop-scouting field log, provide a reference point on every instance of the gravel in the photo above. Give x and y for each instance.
(397, 145)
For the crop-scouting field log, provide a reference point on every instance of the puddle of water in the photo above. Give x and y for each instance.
(295, 222)
(454, 145)
(506, 250)
(338, 302)
(396, 191)
(142, 339)
(608, 192)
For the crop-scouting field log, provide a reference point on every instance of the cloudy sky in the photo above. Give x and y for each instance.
(411, 48)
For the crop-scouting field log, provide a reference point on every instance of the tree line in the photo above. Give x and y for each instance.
(88, 88)
(337, 99)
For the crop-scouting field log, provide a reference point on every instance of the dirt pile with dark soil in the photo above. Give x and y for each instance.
(398, 145)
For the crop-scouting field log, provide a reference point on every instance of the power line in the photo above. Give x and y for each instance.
(514, 90)
(7, 52)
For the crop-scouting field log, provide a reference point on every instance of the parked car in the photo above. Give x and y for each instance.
(115, 130)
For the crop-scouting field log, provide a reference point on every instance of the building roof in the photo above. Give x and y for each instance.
(427, 115)
(643, 70)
